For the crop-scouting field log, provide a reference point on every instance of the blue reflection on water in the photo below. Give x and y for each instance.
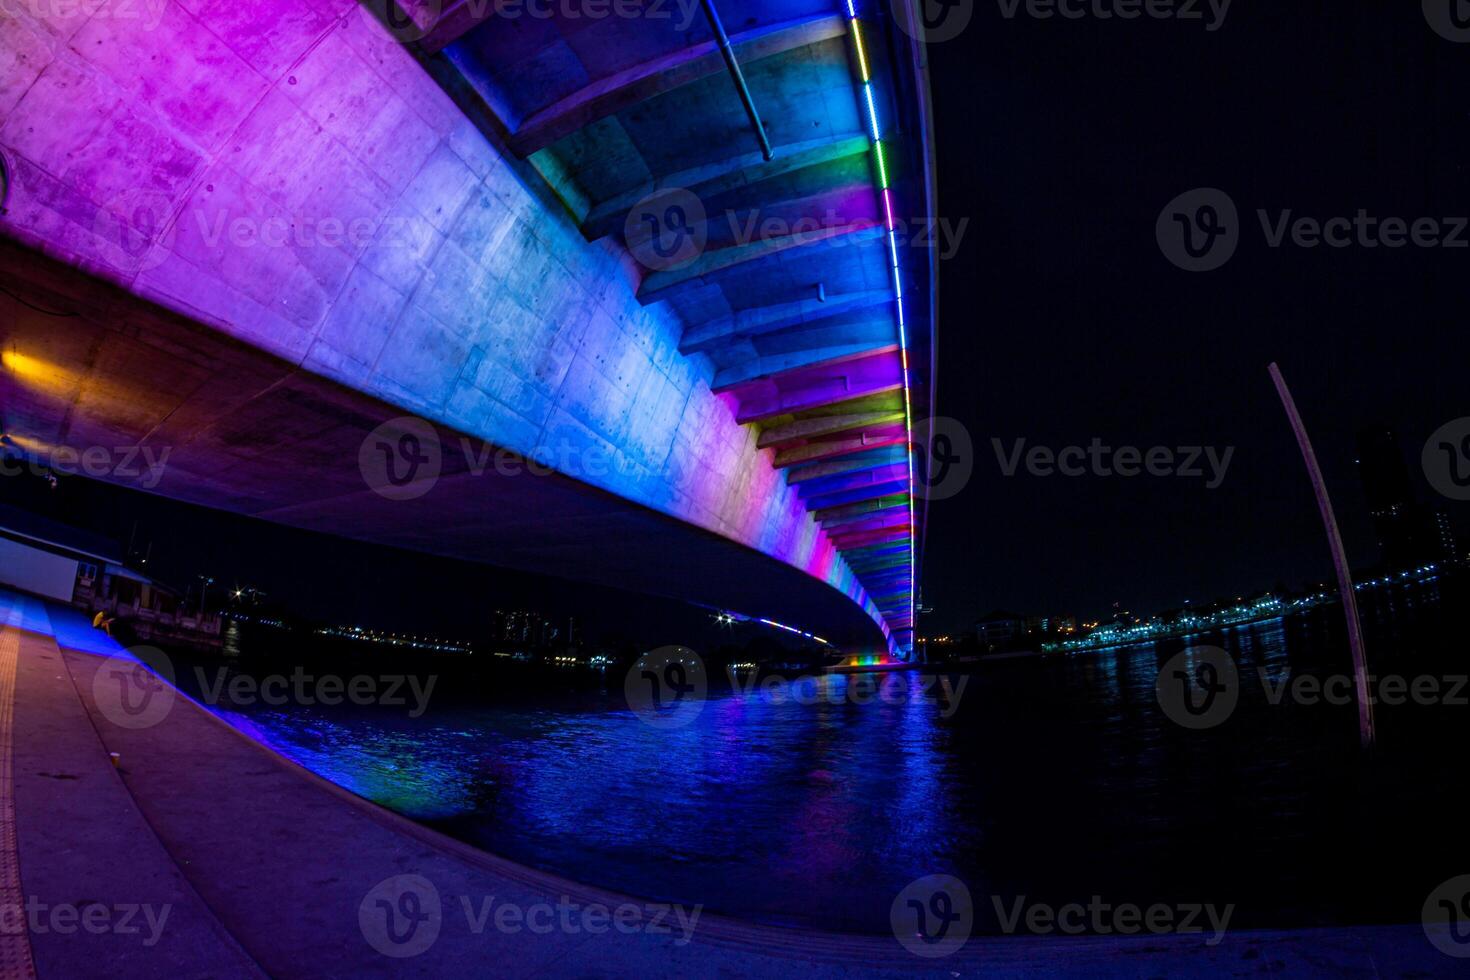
(1056, 778)
(779, 805)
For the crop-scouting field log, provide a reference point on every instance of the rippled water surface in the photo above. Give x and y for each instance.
(1053, 778)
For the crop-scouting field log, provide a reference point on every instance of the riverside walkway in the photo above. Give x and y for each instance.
(185, 848)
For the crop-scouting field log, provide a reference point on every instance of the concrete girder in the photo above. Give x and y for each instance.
(772, 366)
(722, 331)
(896, 532)
(659, 284)
(719, 180)
(890, 517)
(858, 493)
(875, 552)
(889, 435)
(893, 566)
(826, 470)
(866, 507)
(823, 426)
(815, 387)
(878, 511)
(607, 96)
(844, 331)
(855, 480)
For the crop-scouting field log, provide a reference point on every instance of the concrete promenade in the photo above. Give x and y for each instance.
(201, 853)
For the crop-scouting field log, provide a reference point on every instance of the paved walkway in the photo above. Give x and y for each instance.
(201, 853)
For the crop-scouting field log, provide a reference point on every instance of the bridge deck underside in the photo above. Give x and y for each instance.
(791, 294)
(261, 437)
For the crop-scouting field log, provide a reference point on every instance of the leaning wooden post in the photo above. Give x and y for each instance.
(1339, 560)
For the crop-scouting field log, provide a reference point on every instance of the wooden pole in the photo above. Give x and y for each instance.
(1366, 732)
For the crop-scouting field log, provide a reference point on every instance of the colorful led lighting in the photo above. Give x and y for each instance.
(793, 629)
(903, 343)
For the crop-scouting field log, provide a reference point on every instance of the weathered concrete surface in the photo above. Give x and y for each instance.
(285, 173)
(83, 844)
(286, 860)
(250, 433)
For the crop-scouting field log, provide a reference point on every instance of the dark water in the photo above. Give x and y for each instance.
(1056, 778)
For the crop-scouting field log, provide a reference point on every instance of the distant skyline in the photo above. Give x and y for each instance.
(1062, 320)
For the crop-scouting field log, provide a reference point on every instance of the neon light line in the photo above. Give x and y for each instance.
(903, 343)
(793, 629)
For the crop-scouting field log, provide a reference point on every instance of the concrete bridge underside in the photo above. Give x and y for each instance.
(279, 227)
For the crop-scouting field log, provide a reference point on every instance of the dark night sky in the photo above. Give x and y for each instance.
(1061, 321)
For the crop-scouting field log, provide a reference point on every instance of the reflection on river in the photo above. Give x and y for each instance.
(1054, 778)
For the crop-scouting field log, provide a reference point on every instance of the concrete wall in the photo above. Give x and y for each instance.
(284, 172)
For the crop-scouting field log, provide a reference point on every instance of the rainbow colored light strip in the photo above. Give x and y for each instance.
(876, 133)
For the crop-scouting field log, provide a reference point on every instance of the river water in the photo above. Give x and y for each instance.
(1056, 779)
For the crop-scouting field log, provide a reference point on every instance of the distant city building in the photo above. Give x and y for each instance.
(1407, 532)
(1445, 536)
(1000, 628)
(1047, 625)
(523, 629)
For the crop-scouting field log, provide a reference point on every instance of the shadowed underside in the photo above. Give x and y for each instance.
(792, 296)
(265, 439)
(750, 399)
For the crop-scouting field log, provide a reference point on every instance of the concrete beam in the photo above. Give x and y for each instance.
(894, 564)
(741, 361)
(855, 479)
(772, 366)
(876, 551)
(823, 426)
(608, 96)
(891, 435)
(457, 19)
(886, 576)
(823, 386)
(886, 518)
(709, 265)
(898, 532)
(867, 507)
(887, 456)
(878, 511)
(745, 170)
(856, 494)
(754, 322)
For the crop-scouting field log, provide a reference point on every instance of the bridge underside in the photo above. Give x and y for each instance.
(313, 228)
(252, 434)
(793, 297)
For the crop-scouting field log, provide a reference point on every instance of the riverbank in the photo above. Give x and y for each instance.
(267, 869)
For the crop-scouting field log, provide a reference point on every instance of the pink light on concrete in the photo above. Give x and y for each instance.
(289, 177)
